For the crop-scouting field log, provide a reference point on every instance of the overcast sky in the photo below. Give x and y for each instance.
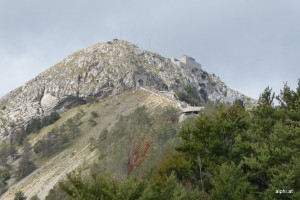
(249, 44)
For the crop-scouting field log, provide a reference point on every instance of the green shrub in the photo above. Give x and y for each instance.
(190, 95)
(94, 114)
(19, 196)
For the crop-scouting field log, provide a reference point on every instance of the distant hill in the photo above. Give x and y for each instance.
(103, 70)
(76, 113)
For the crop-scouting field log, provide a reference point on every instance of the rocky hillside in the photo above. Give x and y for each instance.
(103, 70)
(78, 153)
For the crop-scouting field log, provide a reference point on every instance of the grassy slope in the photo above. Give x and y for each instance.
(78, 154)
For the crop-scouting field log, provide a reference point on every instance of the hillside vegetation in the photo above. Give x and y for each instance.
(87, 134)
(82, 130)
(231, 153)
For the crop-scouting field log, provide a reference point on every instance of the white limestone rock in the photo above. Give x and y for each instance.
(102, 70)
(48, 103)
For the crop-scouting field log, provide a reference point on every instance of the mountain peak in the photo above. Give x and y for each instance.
(107, 69)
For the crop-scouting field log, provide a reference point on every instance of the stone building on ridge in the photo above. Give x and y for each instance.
(186, 61)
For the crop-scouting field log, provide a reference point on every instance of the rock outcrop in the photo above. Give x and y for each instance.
(100, 71)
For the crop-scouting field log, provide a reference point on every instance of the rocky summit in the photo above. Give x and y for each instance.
(107, 69)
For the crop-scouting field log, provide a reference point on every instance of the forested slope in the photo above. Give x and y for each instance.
(226, 153)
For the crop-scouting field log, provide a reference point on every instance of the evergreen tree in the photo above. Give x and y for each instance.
(20, 196)
(231, 184)
(191, 96)
(100, 188)
(34, 124)
(26, 165)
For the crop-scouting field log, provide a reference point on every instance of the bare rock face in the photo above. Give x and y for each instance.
(100, 71)
(48, 103)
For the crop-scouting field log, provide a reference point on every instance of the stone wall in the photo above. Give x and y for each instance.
(187, 62)
(168, 94)
(190, 62)
(140, 79)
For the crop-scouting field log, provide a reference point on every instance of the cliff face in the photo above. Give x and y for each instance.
(103, 70)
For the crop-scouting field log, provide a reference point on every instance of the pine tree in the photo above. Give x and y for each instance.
(26, 165)
(20, 196)
(231, 184)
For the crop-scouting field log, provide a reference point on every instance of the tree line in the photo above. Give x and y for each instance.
(231, 153)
